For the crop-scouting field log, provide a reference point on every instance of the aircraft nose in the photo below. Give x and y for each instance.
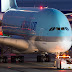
(48, 18)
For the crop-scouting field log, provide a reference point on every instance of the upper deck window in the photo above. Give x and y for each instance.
(52, 28)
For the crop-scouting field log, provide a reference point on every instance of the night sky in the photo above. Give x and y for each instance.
(58, 4)
(46, 0)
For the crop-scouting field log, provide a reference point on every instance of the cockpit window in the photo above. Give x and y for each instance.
(52, 28)
(57, 28)
(66, 28)
(62, 28)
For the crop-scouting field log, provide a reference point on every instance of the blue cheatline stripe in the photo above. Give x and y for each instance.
(0, 5)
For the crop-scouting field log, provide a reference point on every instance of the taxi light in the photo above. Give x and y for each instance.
(41, 7)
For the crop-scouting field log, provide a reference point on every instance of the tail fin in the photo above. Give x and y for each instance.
(7, 4)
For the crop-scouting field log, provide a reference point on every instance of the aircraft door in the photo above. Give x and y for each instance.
(41, 33)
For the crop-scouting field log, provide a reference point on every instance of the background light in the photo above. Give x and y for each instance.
(41, 7)
(71, 15)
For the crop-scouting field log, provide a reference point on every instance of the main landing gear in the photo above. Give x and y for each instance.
(17, 59)
(43, 58)
(3, 59)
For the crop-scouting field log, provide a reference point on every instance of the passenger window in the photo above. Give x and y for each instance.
(52, 28)
(66, 28)
(62, 28)
(57, 28)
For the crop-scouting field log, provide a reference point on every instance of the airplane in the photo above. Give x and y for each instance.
(42, 30)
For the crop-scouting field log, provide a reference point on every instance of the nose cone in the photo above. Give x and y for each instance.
(48, 18)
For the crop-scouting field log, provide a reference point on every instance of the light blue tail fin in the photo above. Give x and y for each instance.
(7, 4)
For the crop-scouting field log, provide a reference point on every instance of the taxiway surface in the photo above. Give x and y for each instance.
(30, 67)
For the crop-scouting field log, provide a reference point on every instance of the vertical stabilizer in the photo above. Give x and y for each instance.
(13, 4)
(7, 4)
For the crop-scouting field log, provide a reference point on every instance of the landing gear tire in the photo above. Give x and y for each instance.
(3, 59)
(48, 58)
(17, 59)
(20, 59)
(13, 59)
(41, 58)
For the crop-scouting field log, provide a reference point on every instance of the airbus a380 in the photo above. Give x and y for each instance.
(34, 29)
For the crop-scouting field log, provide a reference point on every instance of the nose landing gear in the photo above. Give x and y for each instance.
(43, 58)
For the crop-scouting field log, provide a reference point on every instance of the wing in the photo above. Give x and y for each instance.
(17, 43)
(67, 12)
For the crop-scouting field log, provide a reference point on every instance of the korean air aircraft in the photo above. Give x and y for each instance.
(44, 30)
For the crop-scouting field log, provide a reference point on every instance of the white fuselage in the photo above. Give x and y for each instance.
(61, 45)
(53, 47)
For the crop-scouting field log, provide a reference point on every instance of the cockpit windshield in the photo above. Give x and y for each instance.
(58, 28)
